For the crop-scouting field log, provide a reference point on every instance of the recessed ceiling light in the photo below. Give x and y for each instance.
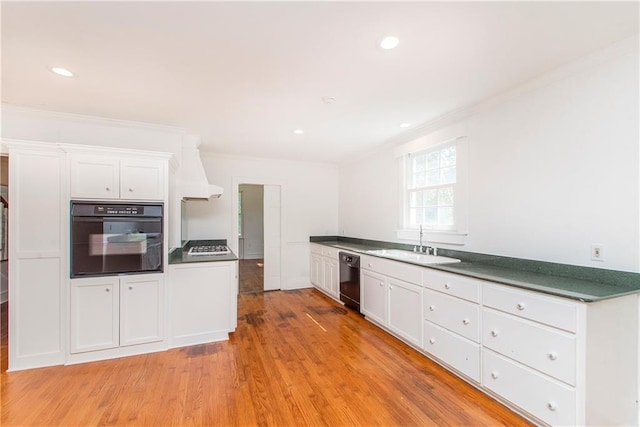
(298, 131)
(62, 71)
(405, 125)
(389, 42)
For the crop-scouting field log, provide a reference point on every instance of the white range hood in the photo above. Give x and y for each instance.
(193, 180)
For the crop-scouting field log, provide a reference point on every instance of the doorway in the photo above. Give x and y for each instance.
(273, 229)
(251, 238)
(4, 262)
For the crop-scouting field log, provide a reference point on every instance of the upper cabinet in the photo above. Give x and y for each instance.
(102, 177)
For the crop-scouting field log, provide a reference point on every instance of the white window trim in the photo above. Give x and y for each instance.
(452, 237)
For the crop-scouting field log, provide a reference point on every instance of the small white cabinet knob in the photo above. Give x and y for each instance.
(107, 188)
(552, 406)
(465, 321)
(108, 290)
(131, 190)
(494, 333)
(520, 306)
(390, 287)
(432, 340)
(130, 288)
(381, 283)
(494, 375)
(447, 286)
(553, 355)
(432, 308)
(370, 265)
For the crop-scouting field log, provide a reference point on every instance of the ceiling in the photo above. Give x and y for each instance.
(244, 75)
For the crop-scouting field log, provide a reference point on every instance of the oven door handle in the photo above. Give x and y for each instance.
(117, 219)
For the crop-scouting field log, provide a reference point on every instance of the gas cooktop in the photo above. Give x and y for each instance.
(202, 250)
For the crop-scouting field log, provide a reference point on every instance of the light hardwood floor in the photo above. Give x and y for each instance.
(280, 368)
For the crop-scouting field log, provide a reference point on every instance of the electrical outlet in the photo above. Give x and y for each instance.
(597, 252)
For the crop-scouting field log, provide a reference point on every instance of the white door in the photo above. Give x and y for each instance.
(272, 232)
(94, 314)
(141, 309)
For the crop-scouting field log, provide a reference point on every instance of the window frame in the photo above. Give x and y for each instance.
(456, 234)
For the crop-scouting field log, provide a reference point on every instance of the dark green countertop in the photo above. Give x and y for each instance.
(180, 256)
(568, 281)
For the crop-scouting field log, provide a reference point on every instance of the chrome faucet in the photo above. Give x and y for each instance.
(429, 250)
(421, 233)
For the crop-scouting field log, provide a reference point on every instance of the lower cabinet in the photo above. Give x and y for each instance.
(204, 301)
(325, 270)
(109, 312)
(394, 304)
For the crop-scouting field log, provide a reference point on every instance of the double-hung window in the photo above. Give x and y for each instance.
(431, 188)
(434, 191)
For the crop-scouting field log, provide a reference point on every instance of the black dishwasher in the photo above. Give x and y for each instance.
(350, 280)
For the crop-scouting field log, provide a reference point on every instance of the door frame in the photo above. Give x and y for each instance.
(235, 189)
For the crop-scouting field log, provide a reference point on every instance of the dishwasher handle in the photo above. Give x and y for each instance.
(349, 260)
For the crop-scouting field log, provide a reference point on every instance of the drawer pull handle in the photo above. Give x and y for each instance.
(494, 375)
(520, 306)
(108, 290)
(432, 308)
(465, 321)
(494, 333)
(107, 188)
(552, 406)
(370, 265)
(447, 286)
(390, 287)
(553, 355)
(130, 288)
(381, 283)
(432, 341)
(131, 190)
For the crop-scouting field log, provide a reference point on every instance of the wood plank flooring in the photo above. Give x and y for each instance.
(296, 359)
(251, 272)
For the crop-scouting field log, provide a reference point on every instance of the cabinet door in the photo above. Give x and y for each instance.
(142, 180)
(141, 309)
(405, 310)
(95, 177)
(373, 303)
(94, 314)
(316, 270)
(330, 277)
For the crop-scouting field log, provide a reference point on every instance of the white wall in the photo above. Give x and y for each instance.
(309, 206)
(553, 168)
(252, 221)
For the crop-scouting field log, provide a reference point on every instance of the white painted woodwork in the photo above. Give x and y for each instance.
(142, 308)
(203, 303)
(453, 350)
(373, 296)
(38, 259)
(549, 400)
(325, 270)
(533, 306)
(400, 270)
(331, 276)
(548, 350)
(317, 272)
(455, 314)
(142, 179)
(452, 284)
(272, 238)
(405, 310)
(94, 314)
(96, 176)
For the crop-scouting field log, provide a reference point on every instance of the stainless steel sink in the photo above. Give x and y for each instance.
(415, 257)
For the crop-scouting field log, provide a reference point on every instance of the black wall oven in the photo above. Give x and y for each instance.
(115, 238)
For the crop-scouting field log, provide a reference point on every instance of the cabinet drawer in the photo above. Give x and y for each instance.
(454, 314)
(330, 252)
(543, 309)
(315, 249)
(551, 401)
(459, 353)
(550, 351)
(453, 284)
(399, 270)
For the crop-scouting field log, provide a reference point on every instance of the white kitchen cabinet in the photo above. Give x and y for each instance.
(203, 306)
(405, 310)
(373, 296)
(325, 270)
(94, 314)
(110, 312)
(564, 362)
(38, 255)
(104, 177)
(141, 309)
